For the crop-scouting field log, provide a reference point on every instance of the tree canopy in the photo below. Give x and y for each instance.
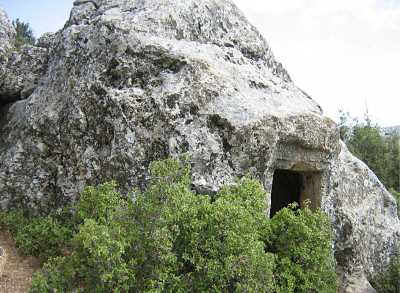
(380, 151)
(24, 35)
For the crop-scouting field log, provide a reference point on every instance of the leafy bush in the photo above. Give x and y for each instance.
(40, 237)
(57, 273)
(43, 237)
(14, 220)
(99, 204)
(302, 241)
(40, 284)
(169, 239)
(389, 281)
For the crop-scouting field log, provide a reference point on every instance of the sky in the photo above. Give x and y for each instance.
(343, 53)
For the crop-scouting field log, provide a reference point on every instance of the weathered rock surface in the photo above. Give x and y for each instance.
(7, 32)
(20, 69)
(126, 82)
(21, 73)
(7, 35)
(364, 217)
(358, 283)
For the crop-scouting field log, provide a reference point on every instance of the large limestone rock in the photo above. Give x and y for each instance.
(20, 69)
(21, 73)
(364, 217)
(7, 35)
(7, 32)
(126, 82)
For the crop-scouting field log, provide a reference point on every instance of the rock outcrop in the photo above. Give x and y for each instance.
(21, 73)
(126, 82)
(20, 69)
(7, 33)
(364, 216)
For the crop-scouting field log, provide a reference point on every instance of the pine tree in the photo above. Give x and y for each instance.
(24, 35)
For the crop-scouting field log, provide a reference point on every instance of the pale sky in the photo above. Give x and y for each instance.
(343, 53)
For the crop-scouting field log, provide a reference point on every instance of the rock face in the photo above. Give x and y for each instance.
(357, 283)
(126, 82)
(20, 69)
(7, 32)
(364, 217)
(21, 73)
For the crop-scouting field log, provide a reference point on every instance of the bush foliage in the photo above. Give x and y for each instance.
(300, 240)
(169, 239)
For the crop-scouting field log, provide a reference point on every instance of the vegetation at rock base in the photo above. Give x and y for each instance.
(302, 249)
(169, 239)
(389, 281)
(24, 34)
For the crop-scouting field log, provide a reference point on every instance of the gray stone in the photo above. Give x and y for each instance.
(364, 217)
(7, 33)
(358, 283)
(7, 36)
(21, 72)
(47, 40)
(126, 82)
(20, 69)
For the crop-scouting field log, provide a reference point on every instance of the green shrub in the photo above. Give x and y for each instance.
(170, 239)
(192, 243)
(98, 203)
(14, 220)
(36, 236)
(58, 274)
(216, 245)
(389, 281)
(301, 239)
(40, 284)
(99, 253)
(43, 237)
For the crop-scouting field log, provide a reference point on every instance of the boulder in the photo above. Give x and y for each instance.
(127, 82)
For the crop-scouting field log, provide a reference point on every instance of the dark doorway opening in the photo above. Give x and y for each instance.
(286, 189)
(295, 187)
